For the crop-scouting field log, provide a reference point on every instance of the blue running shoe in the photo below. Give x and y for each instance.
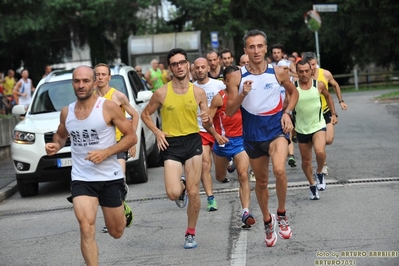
(190, 242)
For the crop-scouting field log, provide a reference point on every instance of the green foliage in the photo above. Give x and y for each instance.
(41, 32)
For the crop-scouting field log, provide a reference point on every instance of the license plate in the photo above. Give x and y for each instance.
(64, 162)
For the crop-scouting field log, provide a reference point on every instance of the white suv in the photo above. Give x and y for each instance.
(33, 165)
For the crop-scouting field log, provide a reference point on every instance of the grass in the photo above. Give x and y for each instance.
(390, 95)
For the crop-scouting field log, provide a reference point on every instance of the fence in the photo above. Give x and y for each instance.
(365, 78)
(6, 130)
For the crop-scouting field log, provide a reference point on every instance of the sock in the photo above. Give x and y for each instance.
(280, 213)
(270, 220)
(245, 210)
(190, 231)
(211, 197)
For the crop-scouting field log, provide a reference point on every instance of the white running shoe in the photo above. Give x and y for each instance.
(314, 194)
(252, 176)
(320, 182)
(325, 169)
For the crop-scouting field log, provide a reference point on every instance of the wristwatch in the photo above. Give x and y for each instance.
(288, 112)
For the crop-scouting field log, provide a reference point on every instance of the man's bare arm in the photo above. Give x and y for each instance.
(234, 99)
(60, 137)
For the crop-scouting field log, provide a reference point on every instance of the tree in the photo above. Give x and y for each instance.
(41, 32)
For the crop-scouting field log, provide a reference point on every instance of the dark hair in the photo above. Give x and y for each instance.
(309, 56)
(104, 65)
(291, 55)
(303, 62)
(252, 33)
(228, 70)
(225, 51)
(176, 51)
(278, 46)
(211, 52)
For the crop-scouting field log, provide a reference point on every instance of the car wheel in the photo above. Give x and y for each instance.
(27, 189)
(139, 173)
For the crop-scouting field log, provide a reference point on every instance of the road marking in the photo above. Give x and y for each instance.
(239, 253)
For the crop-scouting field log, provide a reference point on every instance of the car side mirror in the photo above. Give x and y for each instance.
(144, 96)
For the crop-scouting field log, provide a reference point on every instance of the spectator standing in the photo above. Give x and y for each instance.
(24, 89)
(154, 75)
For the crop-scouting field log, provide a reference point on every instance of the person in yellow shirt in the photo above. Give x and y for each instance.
(179, 140)
(165, 74)
(9, 82)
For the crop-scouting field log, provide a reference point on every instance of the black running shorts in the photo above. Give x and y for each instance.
(183, 148)
(306, 138)
(109, 193)
(256, 149)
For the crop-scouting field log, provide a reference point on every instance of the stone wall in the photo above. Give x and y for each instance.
(6, 131)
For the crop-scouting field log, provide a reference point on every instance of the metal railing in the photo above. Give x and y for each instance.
(367, 78)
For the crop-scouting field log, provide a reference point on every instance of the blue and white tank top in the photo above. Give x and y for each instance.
(91, 134)
(262, 108)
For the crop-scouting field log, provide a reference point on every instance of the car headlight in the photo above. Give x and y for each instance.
(22, 137)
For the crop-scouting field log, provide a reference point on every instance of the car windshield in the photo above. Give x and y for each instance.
(53, 96)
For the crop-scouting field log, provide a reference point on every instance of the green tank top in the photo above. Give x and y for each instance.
(179, 112)
(156, 74)
(309, 115)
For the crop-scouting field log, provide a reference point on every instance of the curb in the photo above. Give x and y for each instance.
(9, 190)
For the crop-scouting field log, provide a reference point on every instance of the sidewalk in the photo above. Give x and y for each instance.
(8, 183)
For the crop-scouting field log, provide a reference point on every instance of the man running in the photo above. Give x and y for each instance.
(256, 89)
(179, 140)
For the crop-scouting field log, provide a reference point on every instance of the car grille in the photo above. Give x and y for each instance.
(48, 137)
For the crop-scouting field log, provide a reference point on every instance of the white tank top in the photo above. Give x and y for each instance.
(26, 87)
(211, 88)
(87, 135)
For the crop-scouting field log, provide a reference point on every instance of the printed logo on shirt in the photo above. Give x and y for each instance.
(268, 86)
(84, 138)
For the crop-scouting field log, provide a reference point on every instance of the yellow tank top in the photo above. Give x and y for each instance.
(8, 85)
(179, 113)
(322, 78)
(108, 96)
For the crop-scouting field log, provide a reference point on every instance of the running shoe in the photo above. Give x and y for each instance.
(284, 231)
(212, 205)
(190, 242)
(128, 214)
(314, 194)
(231, 168)
(325, 169)
(291, 160)
(226, 180)
(271, 236)
(125, 192)
(294, 139)
(248, 219)
(104, 230)
(321, 183)
(181, 202)
(252, 176)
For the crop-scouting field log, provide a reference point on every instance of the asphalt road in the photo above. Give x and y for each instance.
(355, 219)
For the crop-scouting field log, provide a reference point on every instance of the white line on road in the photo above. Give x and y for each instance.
(239, 253)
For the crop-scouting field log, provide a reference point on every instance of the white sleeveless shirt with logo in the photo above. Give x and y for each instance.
(87, 135)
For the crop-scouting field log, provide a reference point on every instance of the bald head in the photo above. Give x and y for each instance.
(244, 60)
(201, 69)
(85, 70)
